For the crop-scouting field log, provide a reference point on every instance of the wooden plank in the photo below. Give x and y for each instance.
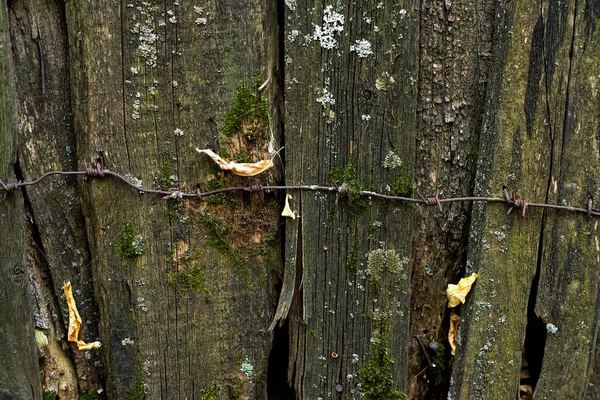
(18, 355)
(455, 42)
(349, 93)
(515, 151)
(568, 293)
(47, 142)
(150, 83)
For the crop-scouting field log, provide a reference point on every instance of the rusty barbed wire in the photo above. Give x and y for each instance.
(343, 191)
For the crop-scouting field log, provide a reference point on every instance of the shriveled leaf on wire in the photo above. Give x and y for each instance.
(458, 293)
(242, 169)
(75, 321)
(454, 322)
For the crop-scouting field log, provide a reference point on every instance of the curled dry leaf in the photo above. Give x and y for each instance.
(242, 169)
(287, 211)
(454, 322)
(75, 321)
(457, 293)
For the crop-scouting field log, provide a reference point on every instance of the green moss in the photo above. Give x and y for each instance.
(189, 279)
(128, 242)
(376, 376)
(272, 239)
(402, 182)
(214, 184)
(136, 390)
(241, 259)
(438, 357)
(210, 392)
(166, 180)
(49, 395)
(234, 389)
(224, 153)
(352, 260)
(248, 114)
(378, 260)
(215, 230)
(242, 157)
(348, 175)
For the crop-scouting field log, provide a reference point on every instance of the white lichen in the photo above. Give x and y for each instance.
(362, 48)
(326, 98)
(291, 4)
(333, 24)
(392, 160)
(247, 369)
(134, 71)
(551, 328)
(202, 15)
(365, 117)
(133, 180)
(127, 341)
(178, 132)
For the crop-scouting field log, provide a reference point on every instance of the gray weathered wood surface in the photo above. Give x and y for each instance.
(446, 98)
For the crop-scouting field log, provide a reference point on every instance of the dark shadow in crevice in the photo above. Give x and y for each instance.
(535, 335)
(278, 387)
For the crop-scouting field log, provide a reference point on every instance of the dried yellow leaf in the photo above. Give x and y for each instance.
(287, 211)
(75, 321)
(454, 322)
(457, 293)
(242, 169)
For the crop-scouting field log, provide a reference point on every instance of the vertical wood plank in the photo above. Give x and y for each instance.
(350, 73)
(515, 151)
(18, 358)
(151, 82)
(568, 293)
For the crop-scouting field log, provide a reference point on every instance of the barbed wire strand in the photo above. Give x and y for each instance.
(511, 201)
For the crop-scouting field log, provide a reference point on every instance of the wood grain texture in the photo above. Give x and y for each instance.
(18, 358)
(503, 249)
(335, 116)
(568, 291)
(47, 142)
(141, 71)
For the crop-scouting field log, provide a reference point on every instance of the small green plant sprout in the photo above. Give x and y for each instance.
(129, 243)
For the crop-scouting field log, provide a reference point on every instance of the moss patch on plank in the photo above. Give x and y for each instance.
(209, 392)
(128, 242)
(379, 260)
(376, 376)
(248, 113)
(189, 278)
(352, 260)
(348, 175)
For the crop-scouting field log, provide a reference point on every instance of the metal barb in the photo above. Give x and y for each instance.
(342, 191)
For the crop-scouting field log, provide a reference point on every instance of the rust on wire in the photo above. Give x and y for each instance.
(343, 191)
